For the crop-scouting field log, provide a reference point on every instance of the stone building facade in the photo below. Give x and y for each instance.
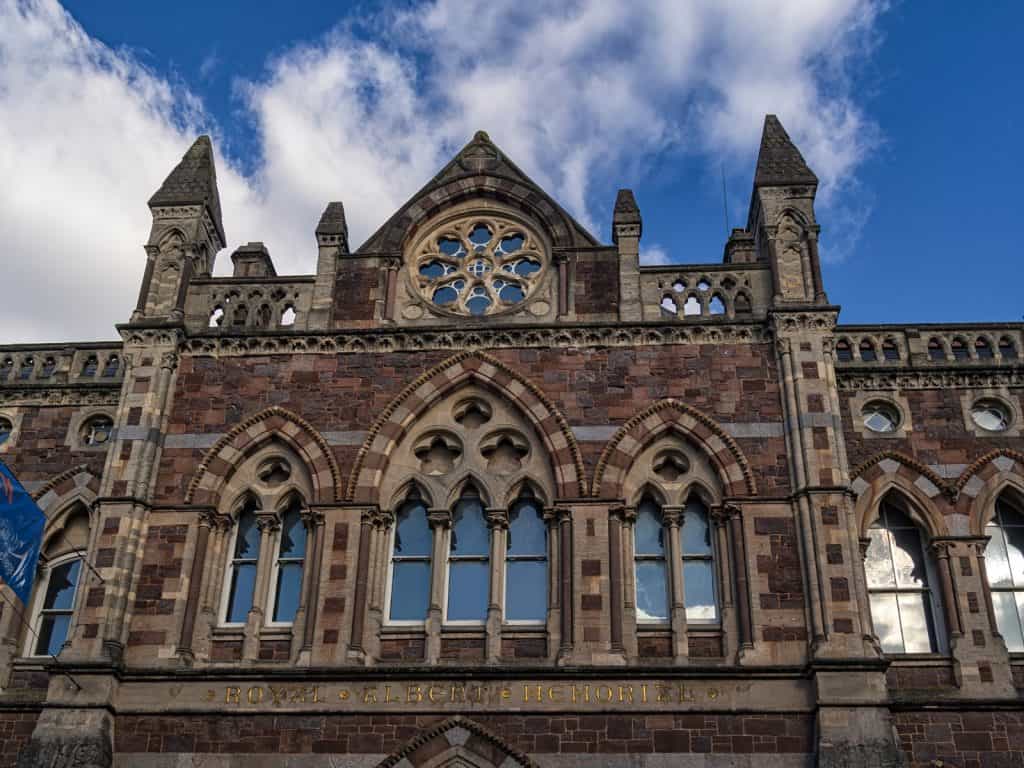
(486, 492)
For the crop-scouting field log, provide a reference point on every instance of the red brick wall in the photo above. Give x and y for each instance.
(376, 734)
(939, 435)
(15, 730)
(961, 739)
(730, 383)
(40, 452)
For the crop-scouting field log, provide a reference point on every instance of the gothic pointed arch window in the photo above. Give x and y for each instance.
(469, 549)
(901, 580)
(243, 566)
(289, 564)
(526, 561)
(411, 548)
(650, 550)
(698, 554)
(1004, 567)
(60, 583)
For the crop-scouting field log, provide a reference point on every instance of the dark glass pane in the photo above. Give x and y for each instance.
(916, 618)
(1015, 553)
(293, 535)
(908, 558)
(449, 246)
(412, 536)
(480, 236)
(1008, 620)
(289, 584)
(470, 535)
(699, 591)
(435, 269)
(894, 517)
(651, 591)
(525, 268)
(886, 618)
(478, 304)
(60, 589)
(696, 532)
(247, 543)
(468, 587)
(1009, 515)
(53, 631)
(510, 293)
(648, 531)
(445, 295)
(410, 588)
(526, 591)
(512, 243)
(243, 582)
(527, 534)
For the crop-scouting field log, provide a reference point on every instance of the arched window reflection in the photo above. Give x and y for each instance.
(899, 584)
(1004, 566)
(526, 562)
(410, 562)
(469, 575)
(243, 565)
(291, 555)
(651, 573)
(698, 563)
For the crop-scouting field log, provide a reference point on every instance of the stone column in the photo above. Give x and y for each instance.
(554, 621)
(672, 518)
(950, 610)
(626, 555)
(979, 556)
(314, 522)
(497, 521)
(615, 591)
(440, 522)
(390, 288)
(565, 542)
(268, 524)
(206, 523)
(356, 639)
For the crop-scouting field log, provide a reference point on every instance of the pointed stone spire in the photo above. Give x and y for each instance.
(193, 182)
(779, 162)
(333, 228)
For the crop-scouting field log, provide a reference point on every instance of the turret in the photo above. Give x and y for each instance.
(186, 234)
(782, 218)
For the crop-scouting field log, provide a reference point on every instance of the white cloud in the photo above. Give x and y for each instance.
(654, 255)
(577, 94)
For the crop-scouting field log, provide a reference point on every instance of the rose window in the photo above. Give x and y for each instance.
(479, 266)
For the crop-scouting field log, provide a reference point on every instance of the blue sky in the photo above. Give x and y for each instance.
(910, 116)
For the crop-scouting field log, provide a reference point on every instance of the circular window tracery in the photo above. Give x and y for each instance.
(479, 265)
(880, 416)
(991, 415)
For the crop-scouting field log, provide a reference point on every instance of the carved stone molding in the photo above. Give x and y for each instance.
(793, 322)
(946, 379)
(417, 340)
(56, 396)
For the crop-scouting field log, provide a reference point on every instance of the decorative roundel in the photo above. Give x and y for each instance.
(880, 416)
(991, 415)
(480, 265)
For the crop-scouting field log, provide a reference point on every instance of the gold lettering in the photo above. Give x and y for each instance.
(664, 693)
(478, 694)
(526, 692)
(685, 694)
(506, 693)
(600, 693)
(369, 695)
(387, 696)
(255, 695)
(297, 695)
(433, 692)
(316, 694)
(586, 694)
(643, 693)
(626, 693)
(712, 693)
(461, 689)
(413, 694)
(232, 695)
(277, 695)
(554, 693)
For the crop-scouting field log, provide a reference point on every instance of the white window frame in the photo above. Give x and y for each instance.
(637, 558)
(526, 623)
(407, 623)
(271, 600)
(32, 637)
(225, 596)
(466, 623)
(931, 590)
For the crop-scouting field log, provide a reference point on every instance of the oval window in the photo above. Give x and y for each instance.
(991, 415)
(880, 416)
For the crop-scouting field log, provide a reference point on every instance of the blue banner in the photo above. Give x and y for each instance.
(21, 535)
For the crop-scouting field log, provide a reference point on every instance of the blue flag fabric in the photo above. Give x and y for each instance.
(21, 535)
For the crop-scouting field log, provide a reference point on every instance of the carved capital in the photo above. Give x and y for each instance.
(169, 360)
(941, 548)
(626, 514)
(721, 514)
(268, 522)
(672, 517)
(497, 518)
(208, 517)
(311, 518)
(439, 518)
(979, 545)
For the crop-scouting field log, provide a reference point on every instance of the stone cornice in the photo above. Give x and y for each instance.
(61, 395)
(909, 378)
(457, 339)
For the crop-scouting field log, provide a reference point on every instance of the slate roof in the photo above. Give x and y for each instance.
(193, 182)
(779, 162)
